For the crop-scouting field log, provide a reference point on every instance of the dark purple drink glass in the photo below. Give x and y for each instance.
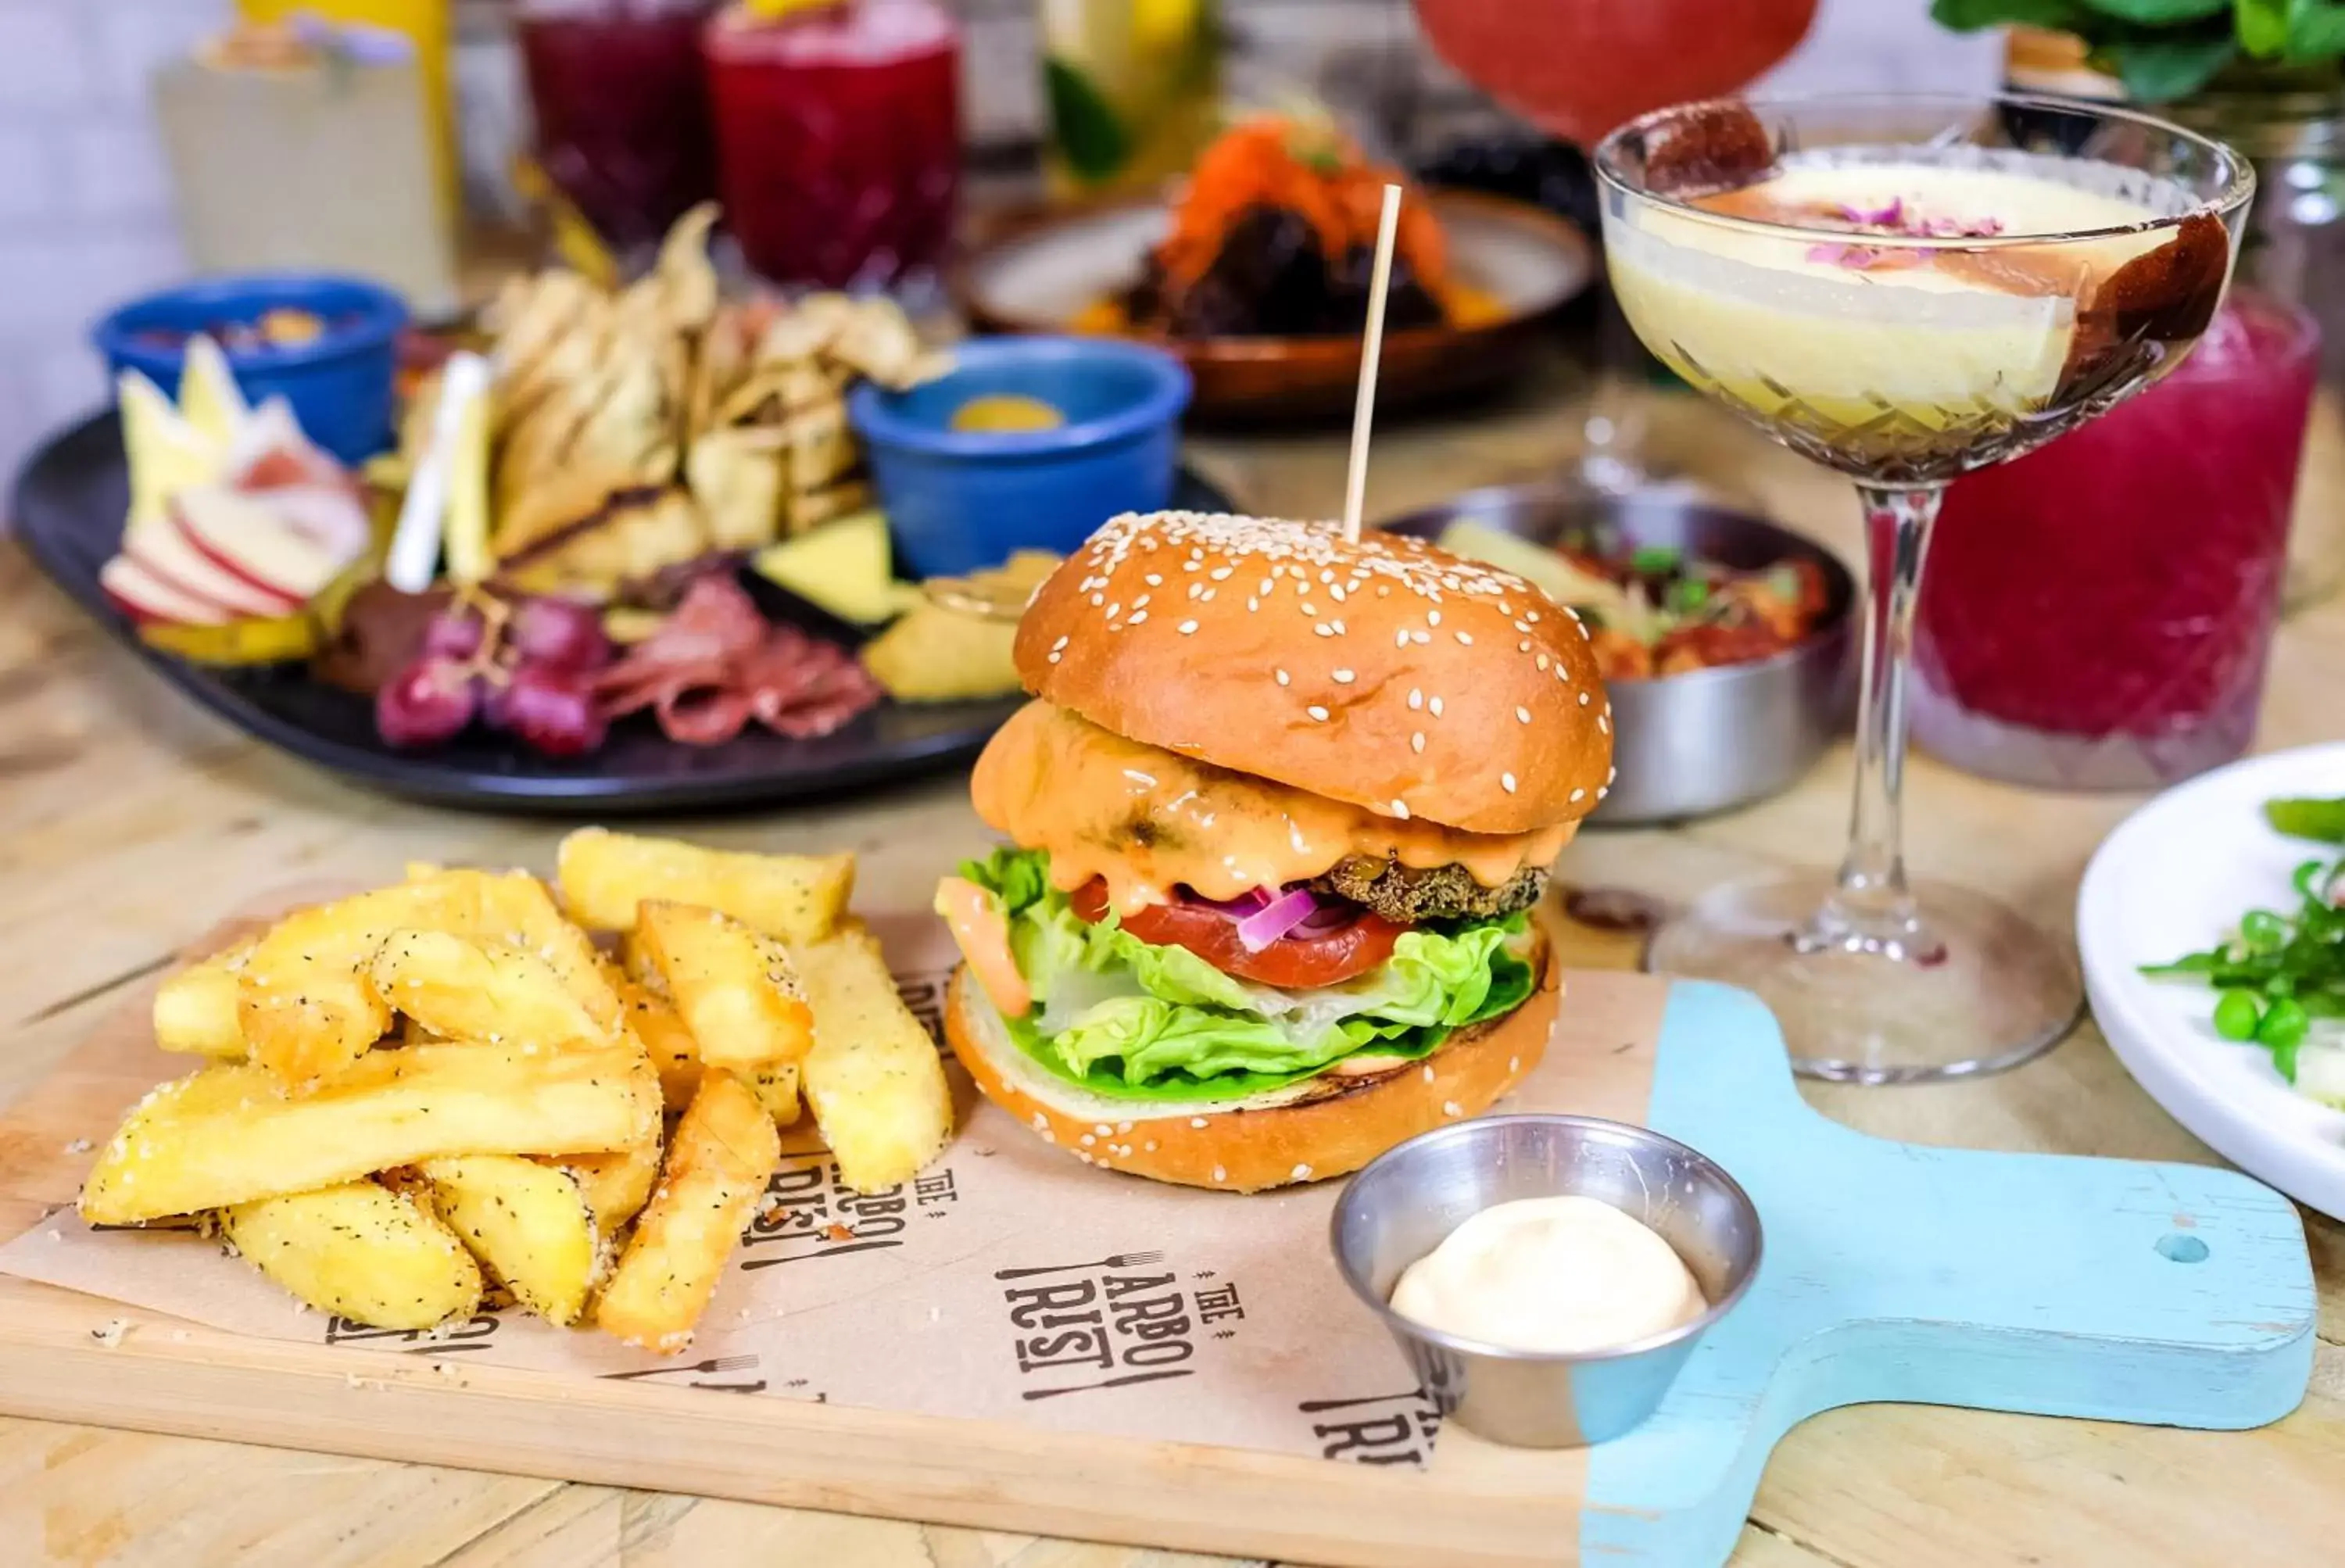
(621, 102)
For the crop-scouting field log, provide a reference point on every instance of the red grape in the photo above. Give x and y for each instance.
(454, 634)
(497, 710)
(430, 701)
(559, 633)
(553, 711)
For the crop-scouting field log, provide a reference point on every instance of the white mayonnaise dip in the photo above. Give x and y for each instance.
(1551, 1274)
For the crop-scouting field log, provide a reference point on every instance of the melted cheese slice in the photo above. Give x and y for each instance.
(1144, 819)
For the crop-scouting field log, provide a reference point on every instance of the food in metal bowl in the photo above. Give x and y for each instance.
(1660, 609)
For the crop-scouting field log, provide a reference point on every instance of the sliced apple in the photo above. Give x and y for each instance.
(209, 399)
(246, 537)
(270, 451)
(333, 517)
(171, 552)
(150, 601)
(166, 453)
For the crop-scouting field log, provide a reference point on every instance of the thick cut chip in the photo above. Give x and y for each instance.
(652, 1018)
(604, 876)
(412, 1031)
(636, 963)
(874, 1079)
(307, 1001)
(360, 1250)
(473, 990)
(196, 1009)
(735, 988)
(776, 1089)
(229, 1133)
(516, 909)
(529, 1223)
(723, 1152)
(616, 1185)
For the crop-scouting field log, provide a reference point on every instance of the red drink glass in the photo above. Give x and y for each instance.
(838, 139)
(622, 108)
(2096, 613)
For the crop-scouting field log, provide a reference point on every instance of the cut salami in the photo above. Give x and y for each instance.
(718, 664)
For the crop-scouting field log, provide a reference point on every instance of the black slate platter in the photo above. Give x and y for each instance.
(67, 512)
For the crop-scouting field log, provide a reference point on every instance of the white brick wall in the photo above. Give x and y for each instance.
(85, 209)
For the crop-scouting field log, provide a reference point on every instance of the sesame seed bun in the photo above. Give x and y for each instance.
(1326, 1125)
(1386, 673)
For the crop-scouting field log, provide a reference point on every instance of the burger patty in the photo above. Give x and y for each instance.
(1404, 893)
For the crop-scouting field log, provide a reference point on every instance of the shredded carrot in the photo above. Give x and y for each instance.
(1318, 173)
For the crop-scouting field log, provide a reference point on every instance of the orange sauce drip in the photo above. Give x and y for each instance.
(1143, 818)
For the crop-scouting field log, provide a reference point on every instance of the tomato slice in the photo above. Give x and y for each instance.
(1291, 963)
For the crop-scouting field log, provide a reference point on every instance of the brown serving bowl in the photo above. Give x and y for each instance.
(1045, 270)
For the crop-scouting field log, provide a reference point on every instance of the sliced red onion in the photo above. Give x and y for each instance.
(1280, 915)
(1237, 907)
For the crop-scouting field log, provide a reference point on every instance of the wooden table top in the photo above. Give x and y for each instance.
(129, 822)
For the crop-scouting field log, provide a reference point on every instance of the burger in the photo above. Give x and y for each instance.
(1277, 817)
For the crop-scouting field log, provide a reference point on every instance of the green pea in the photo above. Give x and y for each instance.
(2237, 1014)
(2283, 1023)
(2262, 930)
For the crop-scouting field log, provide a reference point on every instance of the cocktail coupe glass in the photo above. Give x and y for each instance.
(1902, 290)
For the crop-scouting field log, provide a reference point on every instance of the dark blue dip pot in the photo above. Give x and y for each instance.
(959, 501)
(339, 383)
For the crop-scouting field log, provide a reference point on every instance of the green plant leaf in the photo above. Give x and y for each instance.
(1093, 139)
(2316, 30)
(2158, 70)
(2160, 13)
(1972, 16)
(2262, 27)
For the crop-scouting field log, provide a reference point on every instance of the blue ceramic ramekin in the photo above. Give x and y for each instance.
(339, 383)
(959, 500)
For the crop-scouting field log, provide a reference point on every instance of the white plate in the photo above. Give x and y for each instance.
(2173, 879)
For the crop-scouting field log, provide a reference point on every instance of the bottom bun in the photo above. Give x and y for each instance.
(1326, 1125)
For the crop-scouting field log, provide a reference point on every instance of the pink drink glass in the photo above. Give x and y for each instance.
(838, 139)
(2096, 613)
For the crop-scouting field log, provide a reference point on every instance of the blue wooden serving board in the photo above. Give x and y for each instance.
(2168, 1294)
(2158, 1293)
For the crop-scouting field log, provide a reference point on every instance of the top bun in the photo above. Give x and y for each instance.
(1385, 673)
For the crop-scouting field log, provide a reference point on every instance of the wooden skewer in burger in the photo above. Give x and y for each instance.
(1278, 819)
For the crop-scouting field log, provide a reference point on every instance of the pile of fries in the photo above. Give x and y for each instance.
(634, 430)
(434, 1088)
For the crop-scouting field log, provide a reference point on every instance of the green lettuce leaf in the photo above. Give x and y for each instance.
(1126, 1018)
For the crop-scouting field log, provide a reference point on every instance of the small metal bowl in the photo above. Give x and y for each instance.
(1404, 1203)
(1712, 740)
